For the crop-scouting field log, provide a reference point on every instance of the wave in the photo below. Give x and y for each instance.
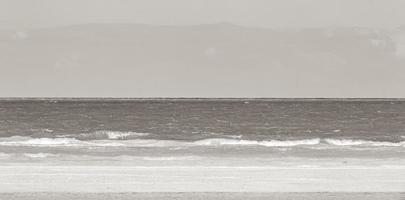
(115, 135)
(52, 142)
(27, 155)
(39, 155)
(169, 158)
(105, 134)
(28, 141)
(88, 157)
(214, 142)
(270, 143)
(348, 142)
(4, 156)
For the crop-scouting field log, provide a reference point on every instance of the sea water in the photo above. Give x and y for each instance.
(266, 132)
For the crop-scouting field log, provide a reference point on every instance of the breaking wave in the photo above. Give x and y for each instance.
(51, 142)
(114, 139)
(4, 156)
(111, 135)
(170, 158)
(39, 155)
(270, 143)
(348, 142)
(28, 141)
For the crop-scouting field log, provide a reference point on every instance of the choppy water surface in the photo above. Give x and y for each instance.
(133, 126)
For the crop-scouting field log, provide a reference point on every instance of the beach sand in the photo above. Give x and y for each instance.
(124, 179)
(203, 196)
(203, 178)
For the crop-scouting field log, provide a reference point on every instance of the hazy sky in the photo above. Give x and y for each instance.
(264, 13)
(202, 62)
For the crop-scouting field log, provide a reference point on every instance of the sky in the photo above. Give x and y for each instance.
(259, 13)
(59, 66)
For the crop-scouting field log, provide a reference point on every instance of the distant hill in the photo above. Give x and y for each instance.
(142, 60)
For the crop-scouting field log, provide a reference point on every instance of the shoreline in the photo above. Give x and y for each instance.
(210, 196)
(118, 179)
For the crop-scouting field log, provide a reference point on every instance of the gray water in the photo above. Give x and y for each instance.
(188, 120)
(266, 130)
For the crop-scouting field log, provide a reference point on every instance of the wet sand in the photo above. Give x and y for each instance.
(124, 179)
(202, 196)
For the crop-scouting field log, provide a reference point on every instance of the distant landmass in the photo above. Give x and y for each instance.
(135, 60)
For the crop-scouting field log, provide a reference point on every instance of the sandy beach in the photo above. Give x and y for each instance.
(118, 179)
(202, 196)
(19, 182)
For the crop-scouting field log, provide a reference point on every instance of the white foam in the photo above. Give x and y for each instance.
(72, 142)
(123, 135)
(112, 135)
(4, 156)
(234, 136)
(152, 143)
(289, 143)
(271, 143)
(28, 141)
(348, 142)
(170, 158)
(53, 142)
(39, 155)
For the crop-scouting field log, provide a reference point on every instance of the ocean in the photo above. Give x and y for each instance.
(199, 127)
(202, 145)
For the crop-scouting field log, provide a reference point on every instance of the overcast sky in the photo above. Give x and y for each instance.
(102, 60)
(263, 13)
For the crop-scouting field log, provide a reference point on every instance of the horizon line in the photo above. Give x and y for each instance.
(194, 99)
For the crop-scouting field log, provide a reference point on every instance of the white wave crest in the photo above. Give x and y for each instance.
(172, 158)
(271, 143)
(28, 141)
(72, 142)
(4, 156)
(348, 142)
(121, 135)
(53, 142)
(39, 155)
(105, 134)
